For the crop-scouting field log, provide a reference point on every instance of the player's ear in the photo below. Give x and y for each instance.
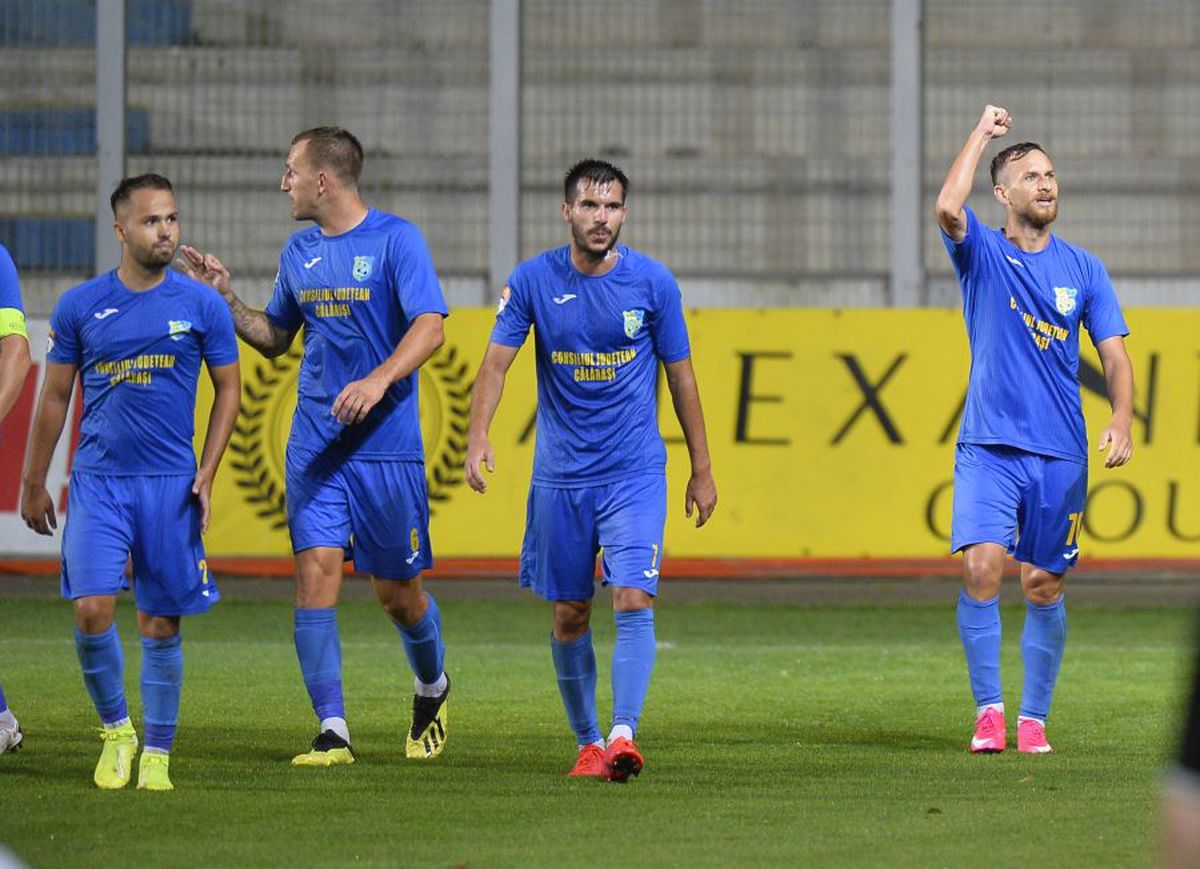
(566, 211)
(1001, 194)
(119, 231)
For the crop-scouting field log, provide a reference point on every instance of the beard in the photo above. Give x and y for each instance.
(1040, 218)
(156, 258)
(585, 244)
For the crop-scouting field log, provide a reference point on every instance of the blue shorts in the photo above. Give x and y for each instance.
(565, 528)
(1029, 503)
(155, 521)
(377, 511)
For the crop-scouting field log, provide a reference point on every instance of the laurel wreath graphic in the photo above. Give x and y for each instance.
(257, 445)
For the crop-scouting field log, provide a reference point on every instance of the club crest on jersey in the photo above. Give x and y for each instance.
(1064, 299)
(363, 265)
(178, 328)
(633, 321)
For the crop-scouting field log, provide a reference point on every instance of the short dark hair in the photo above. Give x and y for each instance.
(149, 181)
(334, 148)
(595, 171)
(1011, 153)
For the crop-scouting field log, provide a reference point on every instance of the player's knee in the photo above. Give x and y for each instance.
(628, 599)
(1043, 588)
(981, 584)
(571, 620)
(93, 615)
(982, 573)
(158, 627)
(405, 603)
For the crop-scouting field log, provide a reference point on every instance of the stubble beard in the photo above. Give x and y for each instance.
(154, 261)
(584, 244)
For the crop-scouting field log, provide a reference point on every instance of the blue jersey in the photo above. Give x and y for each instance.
(1023, 312)
(12, 312)
(598, 342)
(138, 355)
(355, 294)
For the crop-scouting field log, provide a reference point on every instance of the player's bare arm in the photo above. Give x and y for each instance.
(424, 336)
(14, 365)
(253, 326)
(485, 398)
(685, 396)
(1118, 374)
(227, 401)
(956, 189)
(37, 507)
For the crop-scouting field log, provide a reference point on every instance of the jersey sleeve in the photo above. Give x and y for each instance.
(513, 315)
(1102, 315)
(963, 252)
(63, 345)
(12, 312)
(669, 329)
(413, 276)
(283, 310)
(220, 339)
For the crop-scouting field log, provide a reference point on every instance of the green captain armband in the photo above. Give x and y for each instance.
(12, 322)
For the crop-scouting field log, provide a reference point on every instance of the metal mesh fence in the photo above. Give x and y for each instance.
(409, 79)
(1112, 90)
(756, 134)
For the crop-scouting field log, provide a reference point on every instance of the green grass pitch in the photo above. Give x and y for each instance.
(774, 735)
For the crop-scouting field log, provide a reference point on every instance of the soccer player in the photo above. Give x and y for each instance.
(1020, 470)
(14, 365)
(362, 284)
(136, 336)
(604, 316)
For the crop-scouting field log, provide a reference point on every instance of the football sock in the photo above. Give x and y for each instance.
(162, 682)
(979, 629)
(633, 662)
(319, 648)
(103, 665)
(337, 725)
(1042, 644)
(575, 666)
(620, 731)
(434, 689)
(423, 644)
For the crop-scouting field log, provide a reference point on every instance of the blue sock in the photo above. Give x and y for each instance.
(575, 665)
(162, 682)
(3, 702)
(633, 662)
(319, 648)
(103, 666)
(423, 644)
(1042, 644)
(979, 629)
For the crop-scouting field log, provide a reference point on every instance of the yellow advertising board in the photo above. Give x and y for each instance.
(832, 435)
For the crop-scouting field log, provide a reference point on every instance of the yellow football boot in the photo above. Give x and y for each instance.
(115, 766)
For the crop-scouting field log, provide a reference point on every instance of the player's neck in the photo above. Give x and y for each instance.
(1027, 237)
(594, 265)
(342, 216)
(136, 277)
